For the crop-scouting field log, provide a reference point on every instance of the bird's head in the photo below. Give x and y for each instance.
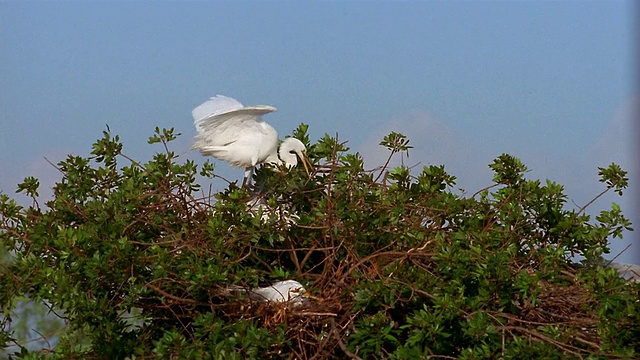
(292, 291)
(291, 150)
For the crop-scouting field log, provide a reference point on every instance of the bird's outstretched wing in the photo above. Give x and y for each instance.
(216, 105)
(219, 110)
(234, 133)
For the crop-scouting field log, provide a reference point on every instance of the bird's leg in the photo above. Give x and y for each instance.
(248, 177)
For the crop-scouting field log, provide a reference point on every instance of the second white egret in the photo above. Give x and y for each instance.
(287, 291)
(229, 131)
(282, 291)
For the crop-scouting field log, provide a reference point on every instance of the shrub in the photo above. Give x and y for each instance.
(142, 262)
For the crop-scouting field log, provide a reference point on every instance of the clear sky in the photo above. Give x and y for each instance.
(549, 82)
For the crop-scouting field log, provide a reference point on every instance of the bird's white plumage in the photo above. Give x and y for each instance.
(290, 150)
(216, 105)
(282, 291)
(229, 131)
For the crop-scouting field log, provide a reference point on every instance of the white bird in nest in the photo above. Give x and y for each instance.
(282, 291)
(287, 291)
(229, 131)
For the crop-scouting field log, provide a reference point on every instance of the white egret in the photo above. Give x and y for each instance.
(282, 291)
(289, 291)
(229, 131)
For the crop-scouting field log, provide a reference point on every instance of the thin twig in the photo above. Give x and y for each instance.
(344, 348)
(592, 201)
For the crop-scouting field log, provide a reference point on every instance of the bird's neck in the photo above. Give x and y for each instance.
(274, 159)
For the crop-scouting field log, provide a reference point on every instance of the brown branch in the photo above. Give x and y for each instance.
(592, 201)
(344, 348)
(173, 297)
(562, 346)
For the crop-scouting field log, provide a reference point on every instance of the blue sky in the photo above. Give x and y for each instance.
(549, 82)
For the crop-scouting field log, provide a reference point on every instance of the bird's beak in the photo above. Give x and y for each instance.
(309, 296)
(306, 163)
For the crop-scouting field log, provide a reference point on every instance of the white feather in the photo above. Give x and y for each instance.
(216, 105)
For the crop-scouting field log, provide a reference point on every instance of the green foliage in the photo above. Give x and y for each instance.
(140, 265)
(614, 177)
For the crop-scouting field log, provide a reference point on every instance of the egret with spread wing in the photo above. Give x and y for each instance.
(229, 131)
